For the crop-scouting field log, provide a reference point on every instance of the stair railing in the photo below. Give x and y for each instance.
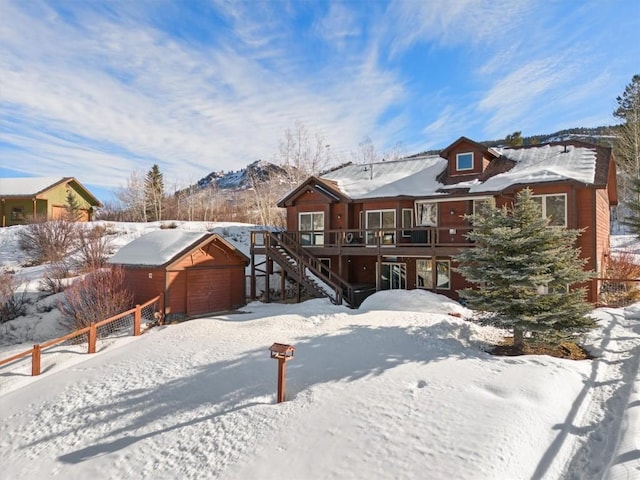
(304, 259)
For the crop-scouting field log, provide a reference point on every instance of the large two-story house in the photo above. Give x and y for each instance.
(398, 224)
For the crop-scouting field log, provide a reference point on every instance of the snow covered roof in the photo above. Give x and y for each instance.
(544, 163)
(34, 186)
(27, 186)
(421, 176)
(413, 176)
(157, 248)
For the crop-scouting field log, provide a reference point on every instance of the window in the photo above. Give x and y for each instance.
(554, 207)
(427, 214)
(311, 225)
(361, 217)
(393, 276)
(424, 273)
(17, 213)
(480, 204)
(407, 221)
(464, 161)
(382, 222)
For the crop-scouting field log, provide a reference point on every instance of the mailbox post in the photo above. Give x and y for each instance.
(283, 353)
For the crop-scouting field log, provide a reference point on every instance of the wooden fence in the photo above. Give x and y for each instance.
(618, 292)
(124, 324)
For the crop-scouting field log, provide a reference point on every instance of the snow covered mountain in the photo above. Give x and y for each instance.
(260, 171)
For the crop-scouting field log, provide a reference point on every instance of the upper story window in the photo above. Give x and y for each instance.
(407, 221)
(426, 214)
(311, 225)
(464, 161)
(382, 223)
(554, 207)
(482, 204)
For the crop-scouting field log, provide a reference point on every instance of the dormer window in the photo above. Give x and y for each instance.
(464, 161)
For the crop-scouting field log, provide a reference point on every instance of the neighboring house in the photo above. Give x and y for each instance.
(197, 272)
(397, 225)
(26, 198)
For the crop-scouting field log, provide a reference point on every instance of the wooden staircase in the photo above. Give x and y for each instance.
(306, 270)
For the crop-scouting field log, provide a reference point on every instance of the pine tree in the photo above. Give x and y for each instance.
(632, 220)
(154, 193)
(627, 146)
(72, 206)
(523, 270)
(514, 139)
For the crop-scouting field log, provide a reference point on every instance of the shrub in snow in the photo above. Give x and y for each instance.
(55, 273)
(99, 295)
(12, 303)
(48, 241)
(94, 247)
(523, 270)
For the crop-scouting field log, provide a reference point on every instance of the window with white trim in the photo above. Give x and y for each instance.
(424, 273)
(479, 204)
(311, 226)
(464, 161)
(407, 221)
(426, 214)
(554, 207)
(393, 276)
(383, 223)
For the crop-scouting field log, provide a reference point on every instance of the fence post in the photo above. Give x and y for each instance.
(161, 308)
(35, 360)
(136, 321)
(92, 337)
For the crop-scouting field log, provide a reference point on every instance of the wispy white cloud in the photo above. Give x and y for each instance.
(128, 88)
(339, 25)
(457, 22)
(107, 88)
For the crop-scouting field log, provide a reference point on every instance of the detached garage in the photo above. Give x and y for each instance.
(197, 272)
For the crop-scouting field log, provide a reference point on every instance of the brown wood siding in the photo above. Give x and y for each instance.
(465, 147)
(238, 287)
(177, 292)
(144, 288)
(585, 218)
(603, 228)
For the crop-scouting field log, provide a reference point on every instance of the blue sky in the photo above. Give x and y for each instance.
(99, 89)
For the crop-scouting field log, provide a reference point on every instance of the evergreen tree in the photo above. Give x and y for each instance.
(72, 206)
(154, 193)
(627, 145)
(522, 269)
(514, 139)
(632, 220)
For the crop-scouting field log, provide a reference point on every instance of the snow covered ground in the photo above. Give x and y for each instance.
(399, 389)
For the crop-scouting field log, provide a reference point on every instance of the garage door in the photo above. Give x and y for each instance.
(208, 290)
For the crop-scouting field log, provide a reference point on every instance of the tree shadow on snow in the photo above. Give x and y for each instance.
(219, 391)
(598, 445)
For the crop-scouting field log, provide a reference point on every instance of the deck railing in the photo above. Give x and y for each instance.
(383, 237)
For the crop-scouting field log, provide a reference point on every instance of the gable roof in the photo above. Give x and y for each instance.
(162, 247)
(36, 187)
(324, 186)
(424, 176)
(489, 151)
